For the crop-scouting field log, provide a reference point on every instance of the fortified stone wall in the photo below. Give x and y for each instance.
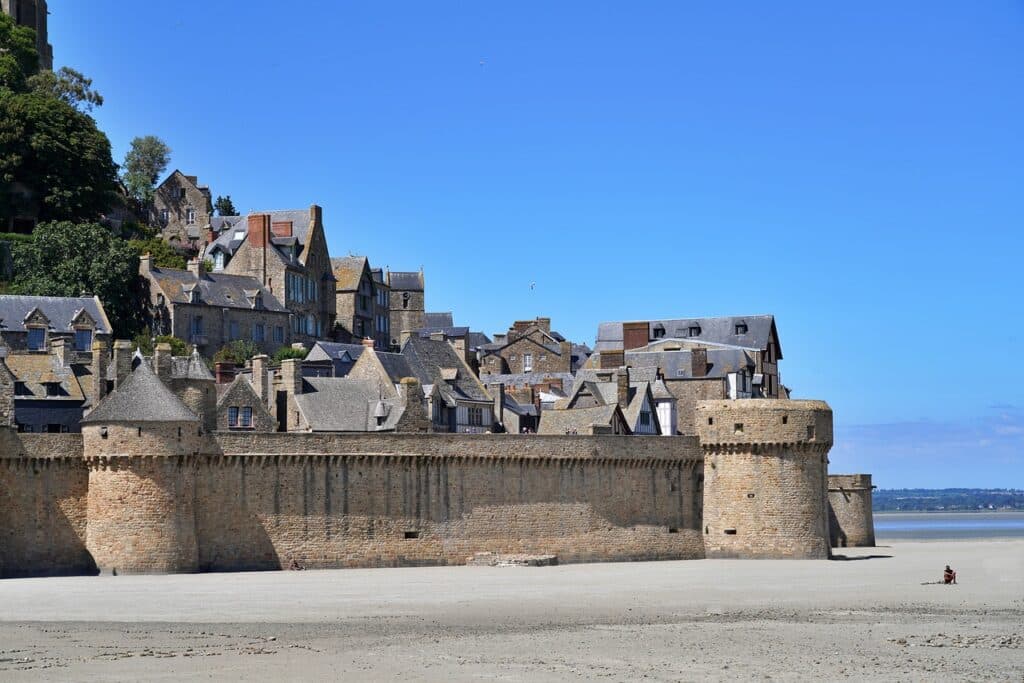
(765, 485)
(851, 520)
(43, 489)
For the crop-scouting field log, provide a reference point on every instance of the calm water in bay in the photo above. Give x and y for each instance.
(928, 526)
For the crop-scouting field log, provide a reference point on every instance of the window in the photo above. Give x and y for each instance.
(218, 261)
(405, 299)
(193, 295)
(233, 330)
(239, 235)
(190, 216)
(165, 216)
(527, 362)
(53, 389)
(233, 416)
(245, 416)
(181, 193)
(279, 334)
(258, 332)
(36, 338)
(645, 418)
(659, 331)
(694, 330)
(197, 325)
(20, 389)
(83, 340)
(741, 328)
(476, 416)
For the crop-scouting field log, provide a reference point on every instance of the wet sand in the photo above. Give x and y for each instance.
(864, 616)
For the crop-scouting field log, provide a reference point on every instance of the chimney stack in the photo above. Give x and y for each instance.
(145, 264)
(291, 376)
(223, 372)
(699, 362)
(437, 336)
(498, 392)
(197, 267)
(405, 336)
(368, 343)
(122, 361)
(162, 361)
(61, 349)
(98, 368)
(259, 378)
(622, 380)
(609, 360)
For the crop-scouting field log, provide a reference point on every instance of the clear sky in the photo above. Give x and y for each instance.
(855, 169)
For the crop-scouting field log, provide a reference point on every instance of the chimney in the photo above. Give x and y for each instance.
(699, 362)
(259, 378)
(197, 267)
(211, 234)
(223, 372)
(544, 324)
(622, 380)
(162, 361)
(635, 335)
(259, 230)
(99, 371)
(609, 360)
(368, 343)
(61, 349)
(145, 264)
(291, 376)
(565, 348)
(405, 336)
(437, 336)
(316, 215)
(498, 392)
(281, 229)
(409, 390)
(6, 392)
(122, 361)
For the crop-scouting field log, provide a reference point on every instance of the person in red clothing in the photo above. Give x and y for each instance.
(948, 576)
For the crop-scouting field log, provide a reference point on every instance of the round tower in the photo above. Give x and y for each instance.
(851, 521)
(141, 444)
(765, 477)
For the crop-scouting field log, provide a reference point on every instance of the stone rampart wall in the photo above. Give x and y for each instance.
(851, 519)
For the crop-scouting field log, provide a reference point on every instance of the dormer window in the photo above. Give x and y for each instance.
(218, 261)
(20, 389)
(52, 388)
(694, 330)
(193, 296)
(741, 328)
(257, 301)
(83, 340)
(239, 235)
(36, 338)
(659, 331)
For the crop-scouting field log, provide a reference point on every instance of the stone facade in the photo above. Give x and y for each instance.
(528, 346)
(33, 14)
(851, 520)
(765, 478)
(362, 303)
(407, 303)
(182, 209)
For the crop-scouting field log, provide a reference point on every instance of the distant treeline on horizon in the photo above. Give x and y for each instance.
(936, 500)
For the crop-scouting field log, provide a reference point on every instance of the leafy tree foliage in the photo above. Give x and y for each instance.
(224, 206)
(146, 344)
(54, 163)
(65, 259)
(69, 86)
(286, 352)
(164, 255)
(143, 165)
(237, 352)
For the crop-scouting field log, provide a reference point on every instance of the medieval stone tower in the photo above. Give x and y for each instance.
(851, 520)
(32, 13)
(407, 303)
(141, 446)
(765, 478)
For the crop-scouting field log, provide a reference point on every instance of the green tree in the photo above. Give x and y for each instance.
(224, 206)
(164, 255)
(145, 343)
(54, 163)
(237, 352)
(286, 352)
(69, 86)
(143, 165)
(65, 259)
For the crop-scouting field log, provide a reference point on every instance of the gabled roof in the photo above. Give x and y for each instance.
(190, 367)
(335, 352)
(215, 289)
(428, 359)
(60, 311)
(341, 404)
(438, 320)
(722, 330)
(142, 398)
(577, 420)
(36, 370)
(405, 281)
(232, 237)
(529, 379)
(348, 272)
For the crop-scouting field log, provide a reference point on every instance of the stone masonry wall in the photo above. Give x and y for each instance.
(851, 520)
(43, 489)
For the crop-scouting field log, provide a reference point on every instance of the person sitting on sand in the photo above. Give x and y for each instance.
(948, 576)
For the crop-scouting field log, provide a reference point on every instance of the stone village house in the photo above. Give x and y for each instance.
(362, 302)
(183, 210)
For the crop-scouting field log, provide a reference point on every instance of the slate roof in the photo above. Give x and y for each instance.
(35, 370)
(142, 398)
(427, 359)
(720, 330)
(404, 281)
(438, 320)
(301, 223)
(219, 223)
(334, 351)
(190, 367)
(60, 311)
(341, 404)
(348, 271)
(679, 364)
(477, 340)
(215, 289)
(581, 420)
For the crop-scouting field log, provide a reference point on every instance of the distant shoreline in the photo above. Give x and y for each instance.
(948, 512)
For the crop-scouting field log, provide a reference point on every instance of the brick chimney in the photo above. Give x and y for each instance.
(162, 361)
(635, 335)
(281, 229)
(622, 382)
(98, 367)
(223, 372)
(122, 361)
(259, 378)
(609, 360)
(699, 362)
(259, 230)
(197, 267)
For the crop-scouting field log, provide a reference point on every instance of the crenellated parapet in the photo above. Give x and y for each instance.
(765, 477)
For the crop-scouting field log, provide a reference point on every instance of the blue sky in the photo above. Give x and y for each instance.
(854, 169)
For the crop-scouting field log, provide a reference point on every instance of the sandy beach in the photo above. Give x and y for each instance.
(873, 614)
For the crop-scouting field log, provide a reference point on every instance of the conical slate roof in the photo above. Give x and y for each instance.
(142, 398)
